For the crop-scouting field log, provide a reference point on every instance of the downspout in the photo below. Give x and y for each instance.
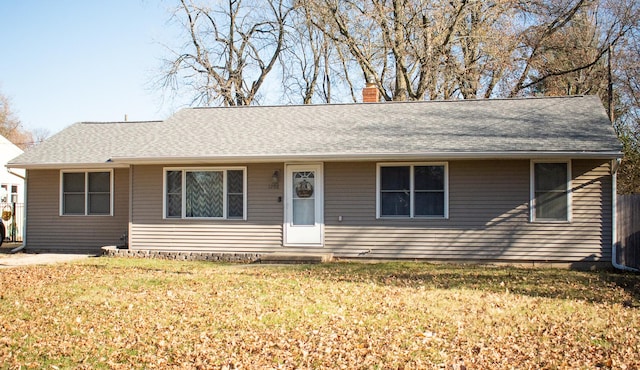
(615, 163)
(16, 174)
(130, 225)
(24, 213)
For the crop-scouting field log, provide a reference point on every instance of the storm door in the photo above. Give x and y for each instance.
(303, 205)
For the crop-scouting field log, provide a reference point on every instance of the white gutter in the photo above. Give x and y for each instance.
(614, 227)
(124, 162)
(70, 166)
(344, 157)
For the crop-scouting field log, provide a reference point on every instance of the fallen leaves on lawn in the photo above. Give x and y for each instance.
(158, 314)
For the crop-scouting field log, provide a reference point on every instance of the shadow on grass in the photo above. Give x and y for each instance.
(593, 286)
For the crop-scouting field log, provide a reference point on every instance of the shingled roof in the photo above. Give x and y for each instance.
(495, 128)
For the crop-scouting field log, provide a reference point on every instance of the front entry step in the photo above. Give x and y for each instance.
(295, 258)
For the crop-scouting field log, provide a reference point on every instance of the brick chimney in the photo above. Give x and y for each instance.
(370, 93)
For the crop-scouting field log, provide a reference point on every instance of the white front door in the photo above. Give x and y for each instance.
(303, 215)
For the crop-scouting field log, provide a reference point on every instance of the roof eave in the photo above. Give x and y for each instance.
(124, 162)
(51, 166)
(338, 157)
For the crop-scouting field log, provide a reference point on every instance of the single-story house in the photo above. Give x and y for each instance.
(515, 180)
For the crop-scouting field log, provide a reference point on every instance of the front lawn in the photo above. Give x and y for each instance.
(124, 313)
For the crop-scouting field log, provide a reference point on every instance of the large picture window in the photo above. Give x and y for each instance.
(550, 191)
(86, 193)
(412, 190)
(205, 193)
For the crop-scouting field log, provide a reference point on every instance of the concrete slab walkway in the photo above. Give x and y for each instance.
(27, 259)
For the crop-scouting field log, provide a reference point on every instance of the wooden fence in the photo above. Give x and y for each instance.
(628, 225)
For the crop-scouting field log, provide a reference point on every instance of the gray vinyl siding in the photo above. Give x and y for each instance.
(488, 216)
(261, 231)
(48, 231)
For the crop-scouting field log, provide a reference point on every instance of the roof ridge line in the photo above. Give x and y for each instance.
(114, 122)
(391, 102)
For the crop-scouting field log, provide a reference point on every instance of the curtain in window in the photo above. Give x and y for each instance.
(204, 194)
(235, 196)
(174, 193)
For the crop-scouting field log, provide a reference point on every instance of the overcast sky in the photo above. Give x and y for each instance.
(66, 61)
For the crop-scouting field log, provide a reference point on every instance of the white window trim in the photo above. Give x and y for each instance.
(532, 191)
(411, 184)
(224, 186)
(86, 192)
(5, 190)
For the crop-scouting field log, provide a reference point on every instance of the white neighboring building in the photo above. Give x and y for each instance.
(11, 186)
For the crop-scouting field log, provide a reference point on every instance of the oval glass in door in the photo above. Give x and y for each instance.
(303, 197)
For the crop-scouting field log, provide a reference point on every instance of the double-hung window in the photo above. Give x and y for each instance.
(14, 193)
(412, 190)
(86, 193)
(550, 194)
(218, 193)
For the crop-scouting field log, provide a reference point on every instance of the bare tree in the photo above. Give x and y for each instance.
(315, 68)
(8, 122)
(411, 49)
(416, 49)
(477, 59)
(581, 30)
(39, 135)
(231, 49)
(337, 20)
(10, 126)
(626, 102)
(304, 60)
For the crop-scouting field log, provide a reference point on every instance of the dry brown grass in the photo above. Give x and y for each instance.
(124, 313)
